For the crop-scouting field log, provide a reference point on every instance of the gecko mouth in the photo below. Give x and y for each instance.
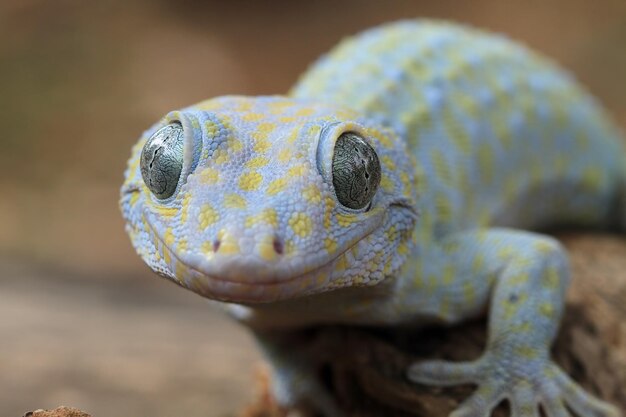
(254, 285)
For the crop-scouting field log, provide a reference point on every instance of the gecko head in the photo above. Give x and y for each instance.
(261, 199)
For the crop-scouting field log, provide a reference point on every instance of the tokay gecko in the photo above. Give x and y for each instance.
(402, 181)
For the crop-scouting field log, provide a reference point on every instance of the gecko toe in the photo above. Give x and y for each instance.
(581, 402)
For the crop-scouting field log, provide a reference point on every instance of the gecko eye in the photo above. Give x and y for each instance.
(356, 171)
(162, 160)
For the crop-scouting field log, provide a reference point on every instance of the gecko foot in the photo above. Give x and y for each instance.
(527, 386)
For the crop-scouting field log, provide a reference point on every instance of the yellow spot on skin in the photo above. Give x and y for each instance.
(290, 247)
(220, 157)
(284, 155)
(267, 216)
(388, 163)
(169, 238)
(263, 131)
(592, 178)
(166, 211)
(478, 265)
(261, 146)
(253, 117)
(208, 105)
(511, 307)
(296, 171)
(341, 264)
(506, 253)
(543, 247)
(211, 129)
(181, 271)
(301, 224)
(546, 309)
(276, 186)
(292, 136)
(235, 145)
(444, 207)
(228, 243)
(486, 161)
(511, 186)
(442, 169)
(133, 199)
(387, 184)
(330, 245)
(346, 219)
(279, 107)
(522, 328)
(208, 216)
(328, 211)
(185, 208)
(207, 247)
(406, 183)
(234, 201)
(209, 176)
(265, 249)
(451, 247)
(304, 112)
(448, 275)
(381, 138)
(519, 279)
(257, 162)
(250, 181)
(403, 249)
(526, 352)
(457, 132)
(552, 278)
(469, 292)
(312, 194)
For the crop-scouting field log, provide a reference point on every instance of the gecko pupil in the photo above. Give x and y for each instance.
(356, 171)
(162, 160)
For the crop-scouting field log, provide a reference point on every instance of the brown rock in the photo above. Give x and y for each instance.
(57, 412)
(365, 368)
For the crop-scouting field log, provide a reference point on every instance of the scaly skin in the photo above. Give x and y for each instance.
(477, 139)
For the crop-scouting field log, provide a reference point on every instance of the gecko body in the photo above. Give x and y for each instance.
(395, 184)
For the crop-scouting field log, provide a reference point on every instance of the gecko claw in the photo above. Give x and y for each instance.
(527, 388)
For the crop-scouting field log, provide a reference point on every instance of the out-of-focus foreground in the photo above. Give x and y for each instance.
(82, 321)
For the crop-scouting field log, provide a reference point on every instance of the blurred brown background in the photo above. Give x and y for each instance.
(82, 321)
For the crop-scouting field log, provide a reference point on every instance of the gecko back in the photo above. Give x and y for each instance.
(506, 137)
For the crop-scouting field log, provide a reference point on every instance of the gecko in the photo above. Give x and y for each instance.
(403, 181)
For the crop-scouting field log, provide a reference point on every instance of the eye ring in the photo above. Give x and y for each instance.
(356, 171)
(161, 161)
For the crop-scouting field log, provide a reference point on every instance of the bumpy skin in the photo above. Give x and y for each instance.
(477, 138)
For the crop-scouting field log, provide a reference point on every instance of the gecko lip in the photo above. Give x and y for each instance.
(267, 288)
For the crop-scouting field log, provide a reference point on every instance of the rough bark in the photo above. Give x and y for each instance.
(57, 412)
(365, 369)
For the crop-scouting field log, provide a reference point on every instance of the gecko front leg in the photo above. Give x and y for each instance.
(526, 275)
(295, 380)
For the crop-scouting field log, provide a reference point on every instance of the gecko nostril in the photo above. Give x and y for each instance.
(216, 245)
(278, 246)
